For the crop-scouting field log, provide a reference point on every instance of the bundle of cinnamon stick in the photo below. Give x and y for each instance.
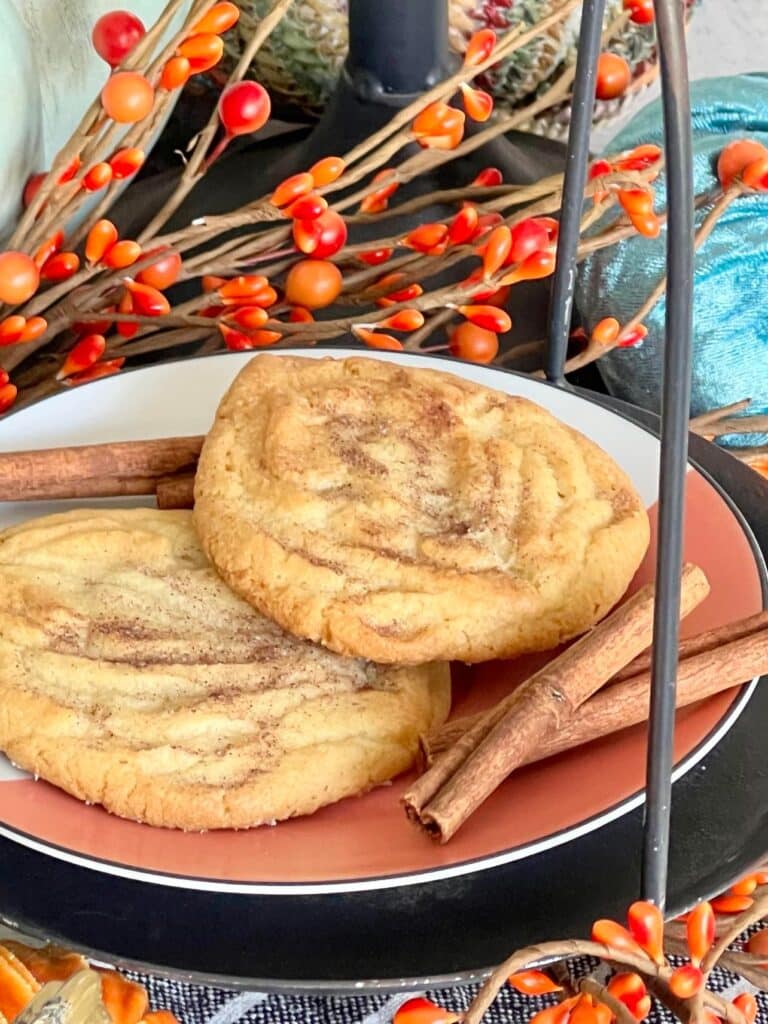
(164, 467)
(560, 707)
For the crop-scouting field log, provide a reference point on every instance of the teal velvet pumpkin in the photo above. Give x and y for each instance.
(731, 272)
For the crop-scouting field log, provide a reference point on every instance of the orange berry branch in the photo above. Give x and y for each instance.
(79, 301)
(636, 955)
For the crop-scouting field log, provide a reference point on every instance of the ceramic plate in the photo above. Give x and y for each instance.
(365, 843)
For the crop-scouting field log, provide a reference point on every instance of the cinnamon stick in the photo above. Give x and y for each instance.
(716, 661)
(466, 774)
(95, 470)
(176, 491)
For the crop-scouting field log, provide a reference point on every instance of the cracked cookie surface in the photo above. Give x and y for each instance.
(131, 676)
(409, 515)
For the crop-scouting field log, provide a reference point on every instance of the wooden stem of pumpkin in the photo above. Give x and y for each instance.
(195, 164)
(595, 350)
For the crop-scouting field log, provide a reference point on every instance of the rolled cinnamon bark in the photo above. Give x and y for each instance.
(176, 491)
(740, 653)
(466, 774)
(95, 470)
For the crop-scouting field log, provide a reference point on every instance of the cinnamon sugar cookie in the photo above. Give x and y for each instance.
(131, 676)
(408, 515)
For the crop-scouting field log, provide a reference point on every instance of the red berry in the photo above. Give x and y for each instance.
(320, 237)
(528, 237)
(244, 107)
(641, 11)
(115, 34)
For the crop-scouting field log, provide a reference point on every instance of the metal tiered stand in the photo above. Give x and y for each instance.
(452, 929)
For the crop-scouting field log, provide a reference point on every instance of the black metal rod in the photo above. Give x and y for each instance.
(576, 162)
(676, 398)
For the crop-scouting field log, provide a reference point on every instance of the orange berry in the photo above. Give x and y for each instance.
(290, 189)
(327, 170)
(126, 162)
(611, 934)
(375, 339)
(423, 1011)
(100, 240)
(496, 249)
(244, 289)
(203, 51)
(122, 254)
(249, 317)
(479, 48)
(299, 315)
(8, 394)
(489, 317)
(307, 207)
(313, 284)
(147, 301)
(375, 257)
(731, 904)
(98, 177)
(127, 97)
(11, 330)
(426, 237)
(744, 887)
(164, 272)
(19, 277)
(49, 248)
(613, 76)
(85, 353)
(175, 74)
(378, 200)
(404, 320)
(488, 178)
(439, 126)
(126, 328)
(537, 265)
(755, 175)
(464, 225)
(478, 104)
(747, 1003)
(34, 328)
(645, 920)
(533, 983)
(605, 332)
(96, 372)
(686, 981)
(475, 344)
(220, 18)
(735, 157)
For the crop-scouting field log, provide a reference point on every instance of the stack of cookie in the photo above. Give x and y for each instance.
(358, 524)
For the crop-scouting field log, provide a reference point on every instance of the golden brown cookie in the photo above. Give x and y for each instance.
(131, 676)
(407, 515)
